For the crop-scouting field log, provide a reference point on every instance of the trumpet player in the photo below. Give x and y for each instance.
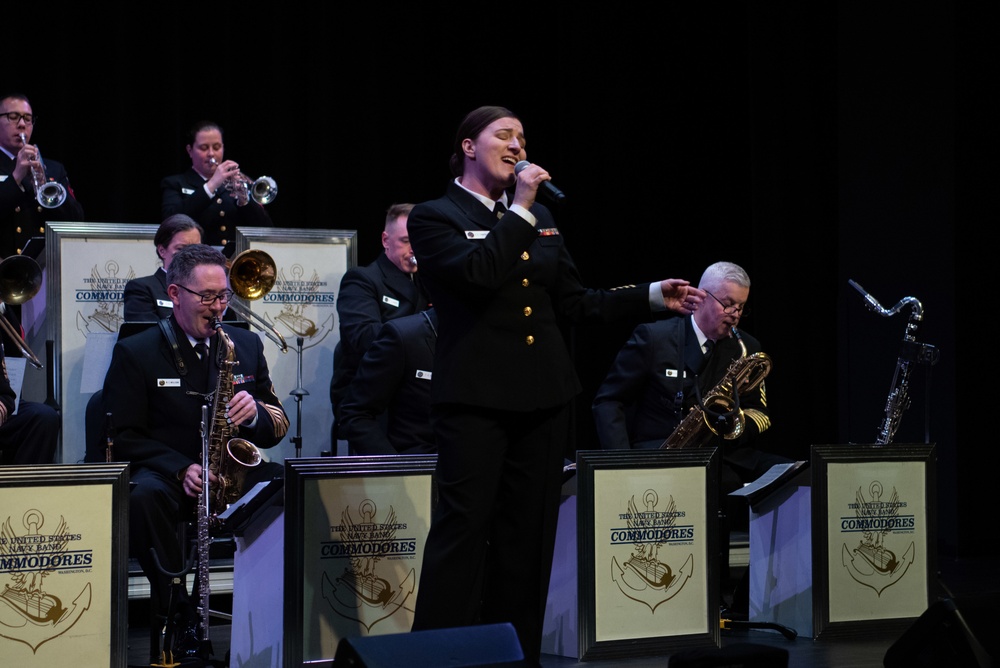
(22, 216)
(201, 193)
(155, 388)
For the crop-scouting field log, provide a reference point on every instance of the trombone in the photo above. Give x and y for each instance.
(20, 280)
(251, 276)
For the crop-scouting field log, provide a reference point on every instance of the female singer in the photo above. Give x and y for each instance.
(500, 277)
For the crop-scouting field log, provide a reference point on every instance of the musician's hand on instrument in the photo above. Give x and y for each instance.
(680, 296)
(22, 163)
(222, 173)
(242, 410)
(191, 480)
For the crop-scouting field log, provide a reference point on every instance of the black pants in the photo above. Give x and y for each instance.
(31, 435)
(488, 556)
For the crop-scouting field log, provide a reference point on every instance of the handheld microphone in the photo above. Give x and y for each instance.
(550, 190)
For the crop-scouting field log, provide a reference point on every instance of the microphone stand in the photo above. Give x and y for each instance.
(298, 393)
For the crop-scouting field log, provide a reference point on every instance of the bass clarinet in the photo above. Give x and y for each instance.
(911, 351)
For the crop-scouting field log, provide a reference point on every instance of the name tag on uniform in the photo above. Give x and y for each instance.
(671, 373)
(187, 191)
(165, 303)
(423, 375)
(477, 234)
(386, 299)
(168, 382)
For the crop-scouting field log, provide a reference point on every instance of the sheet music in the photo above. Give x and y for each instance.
(96, 360)
(775, 475)
(15, 373)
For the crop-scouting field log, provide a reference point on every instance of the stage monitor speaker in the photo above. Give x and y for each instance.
(738, 655)
(940, 637)
(487, 645)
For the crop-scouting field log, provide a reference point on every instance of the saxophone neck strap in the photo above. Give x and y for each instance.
(168, 333)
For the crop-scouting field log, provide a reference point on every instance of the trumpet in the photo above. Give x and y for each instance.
(49, 194)
(20, 280)
(251, 276)
(242, 188)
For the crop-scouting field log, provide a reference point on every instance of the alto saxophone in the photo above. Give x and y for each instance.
(719, 413)
(230, 469)
(229, 458)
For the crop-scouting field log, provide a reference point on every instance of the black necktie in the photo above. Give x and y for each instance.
(202, 349)
(499, 209)
(709, 344)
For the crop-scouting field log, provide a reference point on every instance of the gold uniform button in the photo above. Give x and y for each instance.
(18, 229)
(525, 282)
(17, 209)
(218, 200)
(222, 214)
(525, 256)
(529, 339)
(225, 241)
(222, 228)
(41, 229)
(527, 311)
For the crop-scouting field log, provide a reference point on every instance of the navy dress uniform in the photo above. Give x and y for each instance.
(504, 382)
(218, 215)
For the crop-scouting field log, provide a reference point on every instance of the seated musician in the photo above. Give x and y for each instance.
(664, 369)
(146, 298)
(155, 389)
(29, 431)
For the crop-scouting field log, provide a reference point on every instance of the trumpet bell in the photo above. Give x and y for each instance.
(51, 195)
(20, 279)
(264, 190)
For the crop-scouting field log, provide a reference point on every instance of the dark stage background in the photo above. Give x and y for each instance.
(812, 144)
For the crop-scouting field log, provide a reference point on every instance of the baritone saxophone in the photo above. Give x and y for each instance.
(719, 413)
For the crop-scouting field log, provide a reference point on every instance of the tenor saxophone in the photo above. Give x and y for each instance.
(719, 414)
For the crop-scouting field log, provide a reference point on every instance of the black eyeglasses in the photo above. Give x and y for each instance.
(731, 309)
(15, 116)
(208, 300)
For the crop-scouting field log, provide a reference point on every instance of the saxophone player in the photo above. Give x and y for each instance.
(155, 389)
(663, 368)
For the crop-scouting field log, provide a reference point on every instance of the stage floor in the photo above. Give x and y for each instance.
(973, 584)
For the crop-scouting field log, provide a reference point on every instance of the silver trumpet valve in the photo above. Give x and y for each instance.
(242, 188)
(49, 194)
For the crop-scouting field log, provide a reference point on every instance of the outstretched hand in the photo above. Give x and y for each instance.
(680, 296)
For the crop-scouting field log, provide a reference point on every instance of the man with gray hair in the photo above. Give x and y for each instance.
(666, 369)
